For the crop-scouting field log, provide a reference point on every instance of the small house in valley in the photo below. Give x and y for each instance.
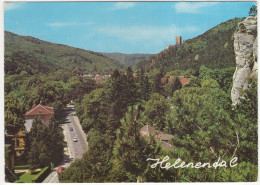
(98, 78)
(44, 112)
(150, 131)
(183, 80)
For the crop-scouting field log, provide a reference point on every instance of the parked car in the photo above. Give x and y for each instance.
(60, 169)
(71, 129)
(75, 139)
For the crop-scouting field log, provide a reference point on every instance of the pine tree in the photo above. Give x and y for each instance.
(131, 88)
(128, 157)
(146, 90)
(157, 83)
(46, 144)
(176, 85)
(253, 10)
(144, 85)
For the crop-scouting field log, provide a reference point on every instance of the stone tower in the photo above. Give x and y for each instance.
(178, 40)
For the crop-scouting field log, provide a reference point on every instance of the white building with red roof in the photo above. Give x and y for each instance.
(44, 112)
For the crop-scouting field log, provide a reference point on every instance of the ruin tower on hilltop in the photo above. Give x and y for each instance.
(178, 40)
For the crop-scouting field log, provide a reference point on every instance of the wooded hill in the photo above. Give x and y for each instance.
(127, 59)
(213, 49)
(33, 55)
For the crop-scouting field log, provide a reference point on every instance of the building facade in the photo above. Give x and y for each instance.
(44, 112)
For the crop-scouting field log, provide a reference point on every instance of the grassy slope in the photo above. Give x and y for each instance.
(55, 56)
(214, 49)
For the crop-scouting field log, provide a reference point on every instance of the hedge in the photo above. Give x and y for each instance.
(42, 174)
(39, 177)
(22, 167)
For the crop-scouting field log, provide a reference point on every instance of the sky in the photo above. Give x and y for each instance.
(125, 27)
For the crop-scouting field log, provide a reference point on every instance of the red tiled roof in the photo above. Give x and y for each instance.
(171, 80)
(184, 80)
(98, 79)
(40, 110)
(164, 80)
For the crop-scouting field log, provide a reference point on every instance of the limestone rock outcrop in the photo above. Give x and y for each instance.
(245, 47)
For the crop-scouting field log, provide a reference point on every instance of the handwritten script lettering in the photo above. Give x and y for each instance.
(163, 164)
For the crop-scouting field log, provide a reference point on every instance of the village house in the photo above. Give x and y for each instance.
(148, 131)
(87, 75)
(44, 112)
(16, 144)
(183, 80)
(97, 78)
(106, 76)
(19, 143)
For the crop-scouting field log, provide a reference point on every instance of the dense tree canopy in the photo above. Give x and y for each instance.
(14, 117)
(46, 144)
(200, 116)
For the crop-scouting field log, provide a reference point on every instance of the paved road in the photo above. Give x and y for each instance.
(73, 150)
(76, 148)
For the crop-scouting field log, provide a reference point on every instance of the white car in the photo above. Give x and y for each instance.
(75, 139)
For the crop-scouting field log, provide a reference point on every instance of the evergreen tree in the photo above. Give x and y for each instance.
(46, 144)
(146, 90)
(247, 124)
(121, 94)
(131, 88)
(253, 10)
(176, 85)
(128, 157)
(155, 111)
(157, 83)
(144, 85)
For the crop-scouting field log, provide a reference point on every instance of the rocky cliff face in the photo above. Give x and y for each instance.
(245, 46)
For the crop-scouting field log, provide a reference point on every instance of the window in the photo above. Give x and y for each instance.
(17, 142)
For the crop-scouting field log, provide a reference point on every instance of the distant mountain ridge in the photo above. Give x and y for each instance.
(213, 49)
(127, 59)
(43, 56)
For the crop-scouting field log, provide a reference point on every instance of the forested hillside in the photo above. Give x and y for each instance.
(213, 49)
(37, 70)
(127, 59)
(33, 55)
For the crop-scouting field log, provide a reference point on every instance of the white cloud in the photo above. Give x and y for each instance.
(12, 6)
(135, 34)
(189, 7)
(123, 5)
(63, 24)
